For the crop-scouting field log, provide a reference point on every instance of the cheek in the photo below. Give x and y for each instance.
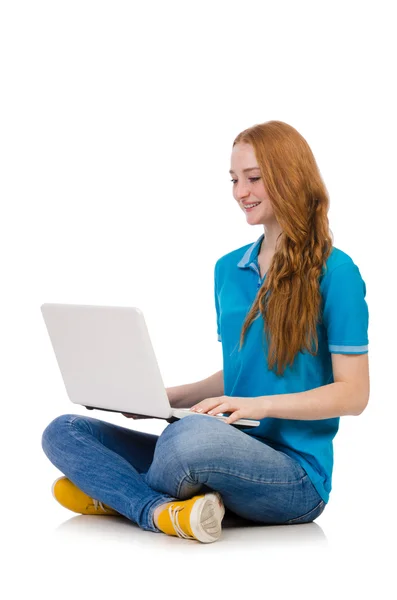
(266, 205)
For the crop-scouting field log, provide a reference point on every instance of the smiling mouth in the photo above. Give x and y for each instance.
(250, 207)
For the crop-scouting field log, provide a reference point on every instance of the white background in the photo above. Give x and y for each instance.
(117, 123)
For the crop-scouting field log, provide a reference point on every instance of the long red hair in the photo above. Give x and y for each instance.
(290, 299)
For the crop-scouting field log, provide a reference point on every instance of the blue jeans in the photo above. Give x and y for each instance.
(133, 472)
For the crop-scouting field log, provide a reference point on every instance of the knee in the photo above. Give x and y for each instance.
(192, 435)
(54, 433)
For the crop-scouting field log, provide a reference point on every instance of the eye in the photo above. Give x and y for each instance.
(252, 179)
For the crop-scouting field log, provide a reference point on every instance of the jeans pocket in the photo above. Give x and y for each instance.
(309, 516)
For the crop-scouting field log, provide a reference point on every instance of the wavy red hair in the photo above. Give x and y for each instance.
(290, 299)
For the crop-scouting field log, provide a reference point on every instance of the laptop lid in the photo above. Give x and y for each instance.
(106, 358)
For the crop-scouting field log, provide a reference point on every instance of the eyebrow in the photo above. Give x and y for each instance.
(245, 170)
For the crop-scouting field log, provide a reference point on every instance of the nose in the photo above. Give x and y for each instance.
(241, 190)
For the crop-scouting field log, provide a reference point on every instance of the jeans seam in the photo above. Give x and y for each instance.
(75, 417)
(306, 515)
(223, 472)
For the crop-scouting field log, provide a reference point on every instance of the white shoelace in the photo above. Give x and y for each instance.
(98, 504)
(173, 512)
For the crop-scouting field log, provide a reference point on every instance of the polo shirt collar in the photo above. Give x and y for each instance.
(251, 254)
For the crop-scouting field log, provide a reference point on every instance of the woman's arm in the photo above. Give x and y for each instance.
(184, 396)
(325, 402)
(348, 395)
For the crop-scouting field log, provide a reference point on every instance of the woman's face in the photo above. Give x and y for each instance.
(248, 186)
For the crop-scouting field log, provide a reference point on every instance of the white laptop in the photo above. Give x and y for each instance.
(107, 361)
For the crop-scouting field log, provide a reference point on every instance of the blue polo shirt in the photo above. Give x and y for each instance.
(344, 331)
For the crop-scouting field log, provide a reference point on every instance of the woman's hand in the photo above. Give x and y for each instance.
(240, 408)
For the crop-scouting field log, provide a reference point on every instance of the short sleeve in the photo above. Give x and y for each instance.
(217, 303)
(345, 311)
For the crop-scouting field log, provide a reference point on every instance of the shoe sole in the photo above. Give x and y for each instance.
(53, 487)
(206, 518)
(53, 493)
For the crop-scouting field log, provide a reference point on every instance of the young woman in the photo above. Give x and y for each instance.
(293, 322)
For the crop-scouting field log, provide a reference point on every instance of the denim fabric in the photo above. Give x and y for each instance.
(134, 472)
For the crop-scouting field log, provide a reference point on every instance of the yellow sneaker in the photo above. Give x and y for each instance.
(71, 497)
(198, 518)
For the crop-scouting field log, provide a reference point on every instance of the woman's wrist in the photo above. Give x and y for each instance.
(178, 397)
